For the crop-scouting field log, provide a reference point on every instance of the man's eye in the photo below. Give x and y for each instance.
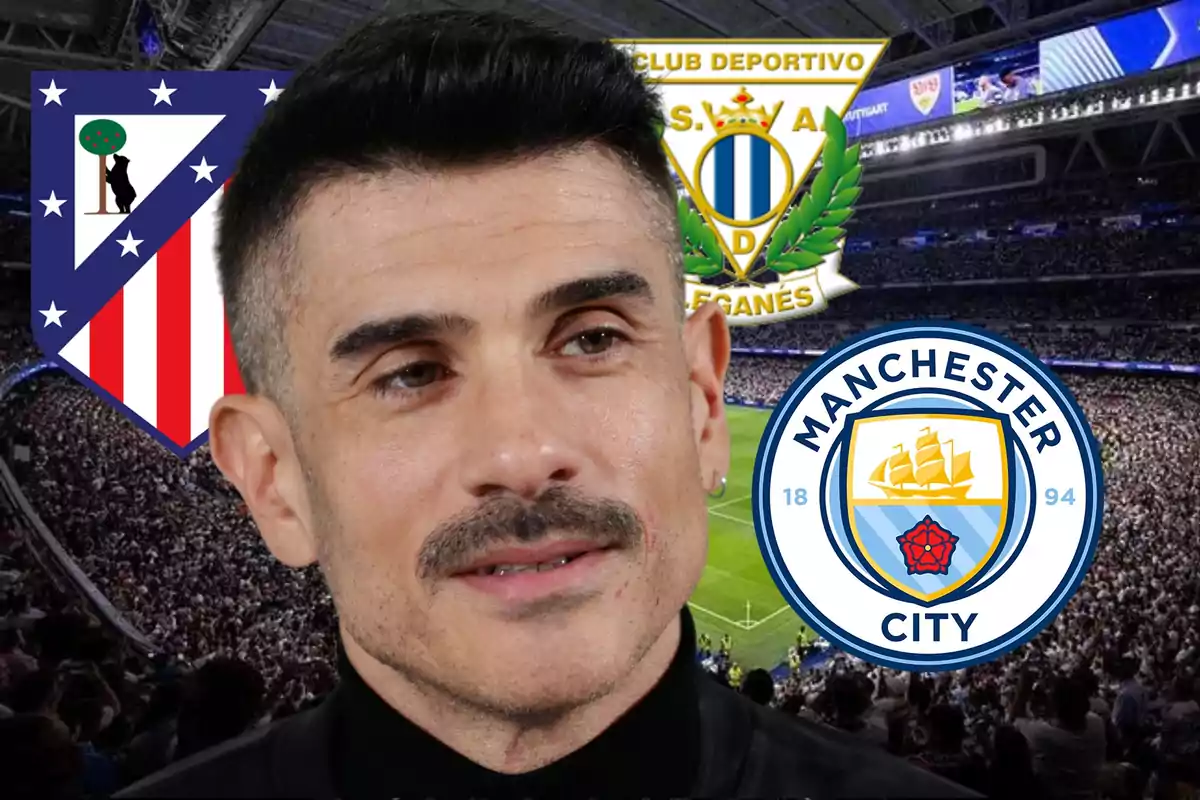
(592, 343)
(413, 376)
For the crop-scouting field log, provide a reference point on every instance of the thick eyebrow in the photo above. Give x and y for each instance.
(617, 284)
(396, 331)
(372, 336)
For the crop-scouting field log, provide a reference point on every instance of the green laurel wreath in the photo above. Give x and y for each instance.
(701, 249)
(808, 233)
(812, 230)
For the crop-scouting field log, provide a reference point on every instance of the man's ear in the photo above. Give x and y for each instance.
(706, 348)
(252, 445)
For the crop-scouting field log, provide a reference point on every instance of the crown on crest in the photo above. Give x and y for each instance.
(742, 118)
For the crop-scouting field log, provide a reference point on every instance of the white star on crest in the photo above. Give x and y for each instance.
(203, 170)
(53, 315)
(52, 205)
(52, 94)
(129, 245)
(272, 92)
(162, 94)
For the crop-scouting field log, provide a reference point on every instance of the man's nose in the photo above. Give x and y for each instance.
(521, 440)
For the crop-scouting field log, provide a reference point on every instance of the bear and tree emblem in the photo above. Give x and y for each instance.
(103, 138)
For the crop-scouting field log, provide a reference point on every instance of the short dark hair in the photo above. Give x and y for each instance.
(759, 686)
(423, 92)
(1070, 700)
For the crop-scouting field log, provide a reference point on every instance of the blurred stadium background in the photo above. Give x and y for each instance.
(1050, 193)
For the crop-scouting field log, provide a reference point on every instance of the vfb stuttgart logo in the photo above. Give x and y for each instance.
(928, 496)
(746, 121)
(925, 91)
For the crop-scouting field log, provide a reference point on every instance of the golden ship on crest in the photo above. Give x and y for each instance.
(899, 477)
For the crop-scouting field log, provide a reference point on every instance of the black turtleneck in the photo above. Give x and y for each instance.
(652, 751)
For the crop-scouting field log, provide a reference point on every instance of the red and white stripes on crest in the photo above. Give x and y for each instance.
(161, 345)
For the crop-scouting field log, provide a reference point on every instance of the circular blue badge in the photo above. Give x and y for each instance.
(928, 496)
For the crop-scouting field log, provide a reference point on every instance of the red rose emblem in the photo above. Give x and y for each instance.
(927, 548)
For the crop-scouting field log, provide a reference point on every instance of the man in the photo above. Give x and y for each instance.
(735, 675)
(759, 686)
(945, 753)
(1129, 709)
(1068, 750)
(451, 269)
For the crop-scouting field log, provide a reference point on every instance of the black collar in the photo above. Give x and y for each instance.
(653, 750)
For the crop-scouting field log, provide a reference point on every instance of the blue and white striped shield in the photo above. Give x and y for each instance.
(744, 177)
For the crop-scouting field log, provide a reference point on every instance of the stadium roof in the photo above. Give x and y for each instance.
(283, 34)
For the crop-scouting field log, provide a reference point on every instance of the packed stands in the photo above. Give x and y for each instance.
(1080, 250)
(170, 545)
(193, 575)
(1132, 627)
(240, 640)
(1081, 198)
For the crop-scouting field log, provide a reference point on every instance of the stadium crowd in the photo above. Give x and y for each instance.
(1076, 251)
(1168, 190)
(1135, 341)
(167, 542)
(81, 713)
(14, 239)
(1127, 647)
(1104, 702)
(169, 545)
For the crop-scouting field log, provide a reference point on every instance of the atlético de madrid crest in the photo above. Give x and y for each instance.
(746, 121)
(128, 171)
(928, 496)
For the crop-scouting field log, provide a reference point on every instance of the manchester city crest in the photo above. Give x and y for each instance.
(951, 502)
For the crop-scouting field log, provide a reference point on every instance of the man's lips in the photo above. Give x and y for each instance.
(515, 560)
(516, 577)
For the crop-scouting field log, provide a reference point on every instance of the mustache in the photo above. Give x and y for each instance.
(501, 520)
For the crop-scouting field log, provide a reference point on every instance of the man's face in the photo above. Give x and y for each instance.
(504, 430)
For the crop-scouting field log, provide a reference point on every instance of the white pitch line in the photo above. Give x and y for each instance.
(768, 618)
(731, 519)
(724, 503)
(715, 615)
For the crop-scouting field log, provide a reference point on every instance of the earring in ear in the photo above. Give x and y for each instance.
(717, 494)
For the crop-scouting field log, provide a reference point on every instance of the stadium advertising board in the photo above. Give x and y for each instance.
(997, 79)
(896, 105)
(1122, 47)
(1128, 45)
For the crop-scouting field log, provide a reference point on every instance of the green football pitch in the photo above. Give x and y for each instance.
(736, 594)
(970, 104)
